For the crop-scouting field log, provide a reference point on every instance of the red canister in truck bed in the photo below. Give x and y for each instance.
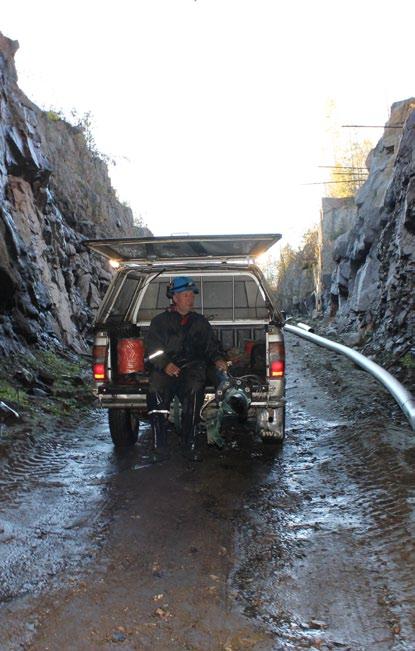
(249, 344)
(130, 355)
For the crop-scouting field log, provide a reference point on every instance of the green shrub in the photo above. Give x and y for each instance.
(53, 116)
(13, 395)
(408, 361)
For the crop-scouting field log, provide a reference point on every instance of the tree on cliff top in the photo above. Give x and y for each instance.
(348, 148)
(349, 171)
(85, 124)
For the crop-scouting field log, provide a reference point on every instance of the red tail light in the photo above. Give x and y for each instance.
(99, 368)
(277, 368)
(276, 359)
(99, 372)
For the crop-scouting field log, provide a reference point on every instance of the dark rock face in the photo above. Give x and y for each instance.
(372, 287)
(54, 193)
(337, 217)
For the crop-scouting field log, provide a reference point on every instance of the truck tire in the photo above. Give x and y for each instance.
(123, 424)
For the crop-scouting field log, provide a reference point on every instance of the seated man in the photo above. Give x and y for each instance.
(188, 346)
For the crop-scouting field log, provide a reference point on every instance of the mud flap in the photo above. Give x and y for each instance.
(270, 424)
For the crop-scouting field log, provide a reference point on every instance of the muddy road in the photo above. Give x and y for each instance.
(307, 547)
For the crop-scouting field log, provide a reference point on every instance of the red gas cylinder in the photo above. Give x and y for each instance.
(249, 346)
(130, 355)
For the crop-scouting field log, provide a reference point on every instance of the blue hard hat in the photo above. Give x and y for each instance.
(181, 284)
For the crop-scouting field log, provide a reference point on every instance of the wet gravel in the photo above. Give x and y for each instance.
(309, 546)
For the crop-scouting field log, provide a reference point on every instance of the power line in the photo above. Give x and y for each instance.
(342, 167)
(348, 180)
(351, 171)
(348, 174)
(372, 126)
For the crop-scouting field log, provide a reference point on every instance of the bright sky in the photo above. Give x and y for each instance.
(215, 110)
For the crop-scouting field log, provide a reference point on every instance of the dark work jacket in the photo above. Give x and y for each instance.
(193, 341)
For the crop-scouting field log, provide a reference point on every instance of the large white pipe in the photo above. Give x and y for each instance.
(403, 397)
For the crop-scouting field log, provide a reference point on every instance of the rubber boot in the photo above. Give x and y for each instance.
(192, 438)
(160, 450)
(192, 444)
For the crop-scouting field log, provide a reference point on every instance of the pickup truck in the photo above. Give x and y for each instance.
(234, 297)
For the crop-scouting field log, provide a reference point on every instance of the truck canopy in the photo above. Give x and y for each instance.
(184, 247)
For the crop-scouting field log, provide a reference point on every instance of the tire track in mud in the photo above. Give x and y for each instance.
(62, 456)
(327, 543)
(386, 495)
(382, 488)
(52, 493)
(28, 461)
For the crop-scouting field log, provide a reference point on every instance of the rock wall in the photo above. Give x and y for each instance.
(372, 285)
(297, 281)
(336, 219)
(54, 193)
(361, 275)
